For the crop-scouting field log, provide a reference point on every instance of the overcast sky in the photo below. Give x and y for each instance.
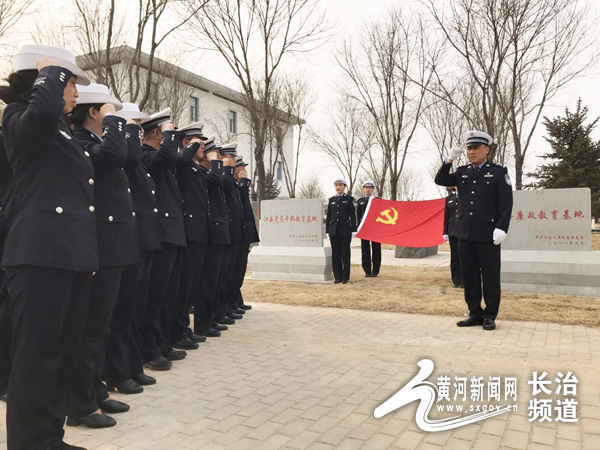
(350, 15)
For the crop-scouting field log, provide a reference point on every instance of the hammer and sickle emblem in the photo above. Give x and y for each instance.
(389, 220)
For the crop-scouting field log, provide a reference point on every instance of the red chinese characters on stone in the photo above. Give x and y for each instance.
(543, 215)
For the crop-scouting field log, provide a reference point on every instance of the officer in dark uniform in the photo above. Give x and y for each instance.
(102, 135)
(159, 155)
(481, 224)
(367, 246)
(341, 227)
(124, 364)
(192, 185)
(219, 238)
(227, 312)
(250, 232)
(51, 249)
(450, 212)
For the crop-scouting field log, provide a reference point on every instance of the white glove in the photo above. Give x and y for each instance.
(354, 234)
(327, 234)
(455, 153)
(499, 236)
(446, 237)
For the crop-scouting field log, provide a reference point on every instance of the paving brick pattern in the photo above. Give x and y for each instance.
(288, 377)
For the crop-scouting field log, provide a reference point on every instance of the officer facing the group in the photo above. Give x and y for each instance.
(450, 212)
(341, 227)
(370, 265)
(481, 224)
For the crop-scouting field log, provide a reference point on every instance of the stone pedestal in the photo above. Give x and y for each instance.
(551, 272)
(312, 264)
(415, 252)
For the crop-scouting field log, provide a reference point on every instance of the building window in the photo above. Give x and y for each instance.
(194, 109)
(233, 122)
(279, 171)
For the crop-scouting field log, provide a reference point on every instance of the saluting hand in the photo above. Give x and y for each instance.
(45, 62)
(107, 109)
(243, 174)
(212, 155)
(167, 126)
(455, 153)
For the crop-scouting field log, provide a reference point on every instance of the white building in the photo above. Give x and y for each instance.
(192, 98)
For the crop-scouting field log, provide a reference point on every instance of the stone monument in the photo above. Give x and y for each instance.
(548, 245)
(291, 242)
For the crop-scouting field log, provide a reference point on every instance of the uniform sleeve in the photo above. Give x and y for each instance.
(352, 212)
(244, 187)
(39, 120)
(134, 146)
(447, 213)
(188, 152)
(328, 218)
(445, 178)
(505, 201)
(163, 158)
(112, 152)
(214, 177)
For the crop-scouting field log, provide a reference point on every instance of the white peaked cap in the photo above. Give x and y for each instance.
(232, 145)
(29, 54)
(211, 138)
(369, 183)
(340, 180)
(192, 126)
(97, 93)
(475, 137)
(132, 111)
(157, 119)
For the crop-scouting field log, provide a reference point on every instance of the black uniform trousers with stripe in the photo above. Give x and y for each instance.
(208, 289)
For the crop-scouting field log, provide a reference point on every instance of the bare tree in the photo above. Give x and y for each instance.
(12, 13)
(380, 68)
(254, 37)
(518, 54)
(311, 188)
(409, 187)
(348, 138)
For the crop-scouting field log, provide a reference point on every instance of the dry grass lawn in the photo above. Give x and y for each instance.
(423, 290)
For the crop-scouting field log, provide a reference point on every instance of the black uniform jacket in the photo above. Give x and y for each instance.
(53, 224)
(218, 216)
(115, 216)
(6, 189)
(161, 165)
(192, 185)
(234, 205)
(450, 212)
(485, 199)
(143, 192)
(341, 216)
(250, 231)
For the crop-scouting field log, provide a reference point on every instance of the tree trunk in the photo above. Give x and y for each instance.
(519, 160)
(394, 188)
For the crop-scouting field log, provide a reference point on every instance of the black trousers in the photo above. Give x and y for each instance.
(455, 269)
(117, 356)
(226, 298)
(48, 312)
(480, 262)
(191, 271)
(152, 325)
(136, 362)
(366, 247)
(6, 332)
(87, 390)
(241, 265)
(208, 288)
(171, 304)
(340, 257)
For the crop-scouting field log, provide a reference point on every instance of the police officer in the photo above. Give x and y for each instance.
(219, 238)
(250, 232)
(102, 135)
(481, 224)
(366, 246)
(51, 249)
(159, 155)
(194, 193)
(450, 212)
(341, 227)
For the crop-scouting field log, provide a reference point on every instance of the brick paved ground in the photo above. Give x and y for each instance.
(309, 378)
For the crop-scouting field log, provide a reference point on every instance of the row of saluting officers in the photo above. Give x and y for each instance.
(112, 233)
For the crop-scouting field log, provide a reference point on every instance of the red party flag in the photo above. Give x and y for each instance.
(405, 224)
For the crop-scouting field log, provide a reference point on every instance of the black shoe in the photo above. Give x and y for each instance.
(175, 355)
(374, 275)
(113, 406)
(470, 322)
(126, 387)
(97, 420)
(226, 321)
(246, 307)
(367, 275)
(197, 337)
(235, 316)
(160, 363)
(456, 285)
(186, 344)
(337, 281)
(144, 380)
(65, 446)
(239, 311)
(220, 327)
(212, 333)
(489, 324)
(345, 281)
